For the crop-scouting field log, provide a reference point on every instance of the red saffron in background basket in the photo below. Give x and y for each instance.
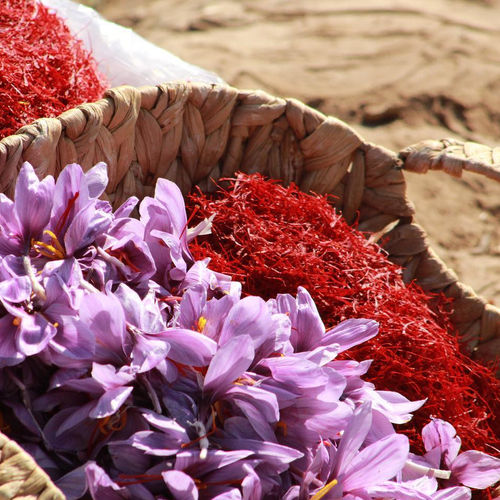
(274, 239)
(44, 70)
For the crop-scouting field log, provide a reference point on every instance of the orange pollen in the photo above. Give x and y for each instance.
(283, 426)
(16, 321)
(112, 423)
(202, 321)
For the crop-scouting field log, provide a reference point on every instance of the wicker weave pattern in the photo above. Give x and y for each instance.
(453, 157)
(20, 476)
(193, 134)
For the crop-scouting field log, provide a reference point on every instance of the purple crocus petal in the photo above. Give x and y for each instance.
(251, 488)
(101, 486)
(192, 303)
(170, 197)
(180, 485)
(441, 436)
(189, 460)
(104, 315)
(239, 427)
(33, 201)
(74, 483)
(320, 355)
(85, 226)
(296, 372)
(33, 334)
(396, 491)
(250, 316)
(476, 469)
(454, 493)
(158, 444)
(67, 419)
(131, 303)
(259, 406)
(351, 368)
(188, 347)
(350, 333)
(276, 455)
(381, 427)
(310, 328)
(232, 494)
(199, 275)
(215, 312)
(292, 493)
(125, 209)
(70, 196)
(178, 271)
(15, 290)
(377, 462)
(229, 362)
(109, 377)
(110, 402)
(9, 352)
(87, 385)
(394, 405)
(329, 423)
(11, 239)
(353, 437)
(201, 229)
(163, 423)
(128, 459)
(73, 344)
(148, 353)
(97, 179)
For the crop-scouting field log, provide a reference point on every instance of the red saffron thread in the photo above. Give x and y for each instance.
(275, 238)
(44, 70)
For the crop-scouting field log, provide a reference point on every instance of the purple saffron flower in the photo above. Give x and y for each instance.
(471, 468)
(356, 470)
(24, 219)
(77, 216)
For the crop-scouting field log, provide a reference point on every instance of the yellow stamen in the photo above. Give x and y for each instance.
(52, 250)
(244, 381)
(16, 321)
(323, 491)
(201, 323)
(55, 241)
(55, 325)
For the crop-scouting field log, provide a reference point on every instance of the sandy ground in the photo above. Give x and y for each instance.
(397, 71)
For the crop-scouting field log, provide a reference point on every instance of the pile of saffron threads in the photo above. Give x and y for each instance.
(273, 238)
(44, 69)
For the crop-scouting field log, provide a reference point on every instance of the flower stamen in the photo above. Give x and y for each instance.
(323, 491)
(52, 250)
(202, 321)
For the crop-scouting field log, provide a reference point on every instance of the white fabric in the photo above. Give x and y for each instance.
(123, 56)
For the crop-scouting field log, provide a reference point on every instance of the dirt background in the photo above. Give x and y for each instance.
(397, 71)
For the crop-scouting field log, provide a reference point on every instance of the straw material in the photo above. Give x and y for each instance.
(20, 477)
(194, 134)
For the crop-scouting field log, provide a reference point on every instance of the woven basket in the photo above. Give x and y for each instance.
(193, 134)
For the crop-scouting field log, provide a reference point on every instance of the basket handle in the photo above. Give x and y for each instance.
(453, 157)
